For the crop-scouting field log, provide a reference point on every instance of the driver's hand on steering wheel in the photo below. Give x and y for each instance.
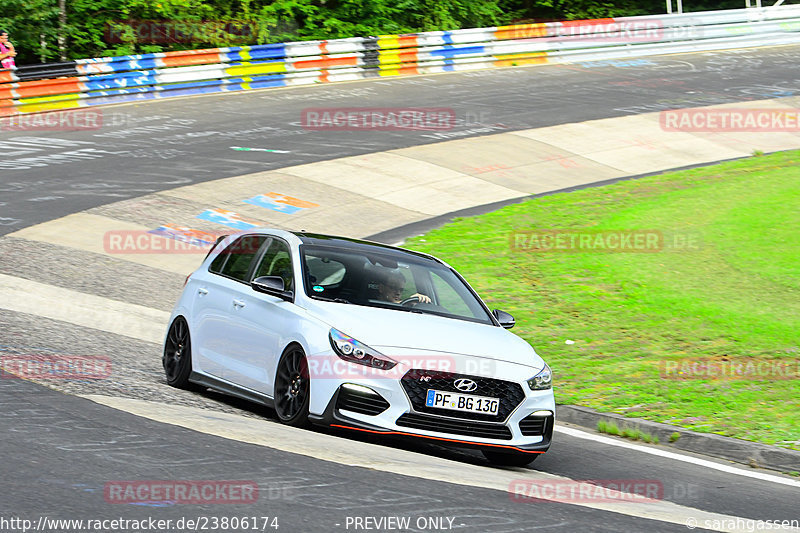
(422, 298)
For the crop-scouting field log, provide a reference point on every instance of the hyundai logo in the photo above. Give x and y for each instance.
(465, 385)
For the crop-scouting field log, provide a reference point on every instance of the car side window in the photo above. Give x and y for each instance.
(234, 261)
(277, 261)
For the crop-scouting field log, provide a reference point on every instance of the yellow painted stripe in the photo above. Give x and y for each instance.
(51, 98)
(244, 53)
(386, 57)
(256, 68)
(48, 106)
(512, 60)
(389, 41)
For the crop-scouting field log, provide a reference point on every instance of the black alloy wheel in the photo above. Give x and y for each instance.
(292, 388)
(177, 359)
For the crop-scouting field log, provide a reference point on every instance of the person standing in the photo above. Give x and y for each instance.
(7, 51)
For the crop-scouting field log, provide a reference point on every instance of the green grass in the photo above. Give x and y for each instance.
(733, 297)
(611, 428)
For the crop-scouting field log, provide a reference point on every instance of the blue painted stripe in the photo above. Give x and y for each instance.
(190, 84)
(450, 51)
(114, 92)
(261, 51)
(448, 37)
(140, 64)
(206, 89)
(253, 63)
(116, 83)
(248, 79)
(120, 98)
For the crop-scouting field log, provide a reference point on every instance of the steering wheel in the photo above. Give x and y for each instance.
(411, 300)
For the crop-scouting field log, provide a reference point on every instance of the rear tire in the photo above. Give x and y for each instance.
(509, 458)
(292, 388)
(177, 358)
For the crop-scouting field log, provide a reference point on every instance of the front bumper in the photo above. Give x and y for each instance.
(526, 426)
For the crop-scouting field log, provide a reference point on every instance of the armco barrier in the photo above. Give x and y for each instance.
(88, 82)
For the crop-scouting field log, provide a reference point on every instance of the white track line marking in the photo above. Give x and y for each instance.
(87, 310)
(397, 461)
(676, 456)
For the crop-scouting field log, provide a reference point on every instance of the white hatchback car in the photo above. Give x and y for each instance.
(361, 336)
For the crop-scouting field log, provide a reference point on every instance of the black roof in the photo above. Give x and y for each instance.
(333, 241)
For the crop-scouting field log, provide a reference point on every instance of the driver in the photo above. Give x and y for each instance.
(390, 289)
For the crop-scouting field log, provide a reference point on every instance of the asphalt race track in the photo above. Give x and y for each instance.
(154, 146)
(60, 450)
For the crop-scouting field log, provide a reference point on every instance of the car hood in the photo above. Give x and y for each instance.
(387, 329)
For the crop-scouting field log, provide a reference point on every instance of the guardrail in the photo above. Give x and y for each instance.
(97, 81)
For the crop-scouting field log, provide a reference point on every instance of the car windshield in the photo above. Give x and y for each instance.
(389, 279)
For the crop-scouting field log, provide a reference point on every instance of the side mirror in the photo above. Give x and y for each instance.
(272, 285)
(505, 319)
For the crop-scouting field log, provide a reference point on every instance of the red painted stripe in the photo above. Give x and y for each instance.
(327, 63)
(197, 57)
(433, 438)
(29, 89)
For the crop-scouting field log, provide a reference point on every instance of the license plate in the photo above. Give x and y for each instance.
(462, 402)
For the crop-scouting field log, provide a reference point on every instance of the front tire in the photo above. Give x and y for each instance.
(292, 388)
(177, 359)
(509, 458)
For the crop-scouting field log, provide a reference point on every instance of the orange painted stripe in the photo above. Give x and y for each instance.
(408, 56)
(520, 31)
(7, 108)
(515, 60)
(191, 59)
(327, 63)
(5, 93)
(407, 71)
(404, 434)
(404, 41)
(203, 51)
(30, 89)
(5, 76)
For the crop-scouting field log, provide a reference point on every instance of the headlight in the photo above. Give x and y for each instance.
(543, 380)
(353, 351)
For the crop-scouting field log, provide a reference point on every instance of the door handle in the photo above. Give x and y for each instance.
(202, 291)
(238, 303)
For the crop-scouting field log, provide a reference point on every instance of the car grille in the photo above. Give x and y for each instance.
(454, 427)
(361, 402)
(533, 426)
(510, 394)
